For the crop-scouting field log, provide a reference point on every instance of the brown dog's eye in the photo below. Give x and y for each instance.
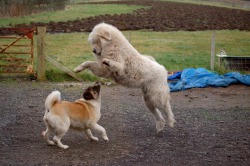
(88, 96)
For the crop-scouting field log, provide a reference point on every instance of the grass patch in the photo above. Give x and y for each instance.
(73, 12)
(179, 50)
(174, 50)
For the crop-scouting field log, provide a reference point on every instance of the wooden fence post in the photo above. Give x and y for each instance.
(212, 51)
(41, 31)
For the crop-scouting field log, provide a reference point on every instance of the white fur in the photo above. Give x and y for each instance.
(119, 60)
(52, 98)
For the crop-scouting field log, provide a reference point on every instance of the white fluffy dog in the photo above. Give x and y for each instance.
(119, 60)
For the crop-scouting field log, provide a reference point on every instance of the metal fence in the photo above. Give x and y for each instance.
(220, 51)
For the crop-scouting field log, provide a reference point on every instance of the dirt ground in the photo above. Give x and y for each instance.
(161, 16)
(213, 128)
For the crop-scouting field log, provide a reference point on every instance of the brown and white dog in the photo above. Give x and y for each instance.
(82, 115)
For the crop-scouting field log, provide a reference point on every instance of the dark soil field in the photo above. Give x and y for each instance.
(213, 128)
(161, 16)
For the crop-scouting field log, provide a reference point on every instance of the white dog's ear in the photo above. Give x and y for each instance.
(105, 34)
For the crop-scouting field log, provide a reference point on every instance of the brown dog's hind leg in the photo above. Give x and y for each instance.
(57, 138)
(90, 135)
(47, 132)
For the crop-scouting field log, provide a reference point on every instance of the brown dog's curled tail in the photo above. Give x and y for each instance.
(54, 97)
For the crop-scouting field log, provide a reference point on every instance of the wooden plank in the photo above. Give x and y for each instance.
(63, 68)
(41, 31)
(212, 51)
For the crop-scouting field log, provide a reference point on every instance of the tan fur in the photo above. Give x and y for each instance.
(79, 110)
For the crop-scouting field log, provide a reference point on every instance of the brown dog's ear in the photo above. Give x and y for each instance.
(97, 87)
(105, 33)
(88, 95)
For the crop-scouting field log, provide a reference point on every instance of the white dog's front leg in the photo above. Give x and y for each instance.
(113, 65)
(84, 65)
(94, 67)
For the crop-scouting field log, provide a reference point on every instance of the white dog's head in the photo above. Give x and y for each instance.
(100, 35)
(108, 37)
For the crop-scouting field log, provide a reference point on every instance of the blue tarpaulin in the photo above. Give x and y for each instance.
(201, 78)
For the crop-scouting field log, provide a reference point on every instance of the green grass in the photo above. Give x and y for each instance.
(179, 50)
(174, 50)
(70, 50)
(234, 5)
(73, 12)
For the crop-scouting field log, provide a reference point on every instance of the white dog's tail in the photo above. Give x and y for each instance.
(54, 97)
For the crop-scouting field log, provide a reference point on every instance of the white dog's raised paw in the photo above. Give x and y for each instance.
(106, 62)
(77, 70)
(81, 67)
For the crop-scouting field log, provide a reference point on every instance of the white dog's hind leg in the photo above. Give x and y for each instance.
(163, 103)
(90, 135)
(159, 120)
(101, 130)
(160, 124)
(168, 110)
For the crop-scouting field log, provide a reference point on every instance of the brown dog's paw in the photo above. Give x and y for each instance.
(43, 133)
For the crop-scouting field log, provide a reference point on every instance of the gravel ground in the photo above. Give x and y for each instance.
(213, 128)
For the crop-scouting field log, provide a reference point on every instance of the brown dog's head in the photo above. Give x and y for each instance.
(92, 92)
